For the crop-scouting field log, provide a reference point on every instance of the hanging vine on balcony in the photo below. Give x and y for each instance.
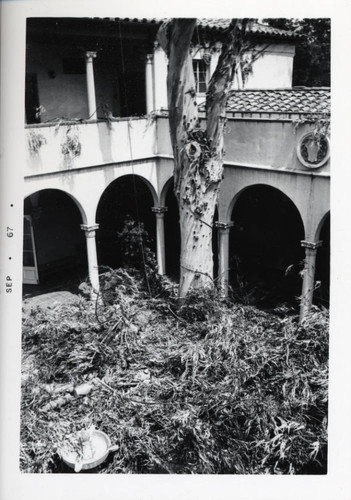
(71, 147)
(35, 141)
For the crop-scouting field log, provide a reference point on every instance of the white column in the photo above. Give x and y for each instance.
(160, 63)
(149, 84)
(308, 276)
(160, 238)
(90, 232)
(223, 254)
(89, 56)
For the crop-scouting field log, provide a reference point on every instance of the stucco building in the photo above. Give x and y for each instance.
(99, 149)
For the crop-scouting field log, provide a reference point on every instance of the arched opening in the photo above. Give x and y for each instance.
(127, 196)
(322, 275)
(172, 236)
(215, 244)
(54, 250)
(265, 247)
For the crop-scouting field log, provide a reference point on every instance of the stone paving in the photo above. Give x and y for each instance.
(50, 299)
(60, 289)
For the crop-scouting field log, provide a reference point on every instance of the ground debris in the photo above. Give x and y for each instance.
(202, 386)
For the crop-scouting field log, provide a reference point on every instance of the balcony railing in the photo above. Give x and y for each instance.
(61, 146)
(65, 146)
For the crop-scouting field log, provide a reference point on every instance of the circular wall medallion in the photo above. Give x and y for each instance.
(312, 151)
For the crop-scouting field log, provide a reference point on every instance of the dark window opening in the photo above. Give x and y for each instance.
(32, 99)
(133, 93)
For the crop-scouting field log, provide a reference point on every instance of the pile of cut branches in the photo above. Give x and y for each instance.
(201, 386)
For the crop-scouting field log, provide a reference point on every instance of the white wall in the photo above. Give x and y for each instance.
(101, 143)
(272, 68)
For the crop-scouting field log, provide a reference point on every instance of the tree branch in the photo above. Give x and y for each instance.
(219, 86)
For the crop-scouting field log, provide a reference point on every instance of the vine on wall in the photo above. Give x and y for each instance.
(71, 147)
(320, 124)
(35, 141)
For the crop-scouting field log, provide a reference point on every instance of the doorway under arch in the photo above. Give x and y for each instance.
(172, 234)
(54, 243)
(265, 247)
(322, 276)
(127, 196)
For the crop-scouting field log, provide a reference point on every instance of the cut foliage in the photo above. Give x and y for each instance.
(201, 386)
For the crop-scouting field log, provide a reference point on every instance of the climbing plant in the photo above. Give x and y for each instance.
(320, 123)
(35, 141)
(71, 146)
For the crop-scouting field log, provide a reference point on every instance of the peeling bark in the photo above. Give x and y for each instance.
(198, 153)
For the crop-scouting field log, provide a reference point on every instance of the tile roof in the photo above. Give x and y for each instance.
(255, 28)
(265, 29)
(217, 24)
(296, 100)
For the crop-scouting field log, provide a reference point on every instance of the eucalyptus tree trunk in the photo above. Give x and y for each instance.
(198, 153)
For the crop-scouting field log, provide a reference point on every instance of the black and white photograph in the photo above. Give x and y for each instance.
(175, 283)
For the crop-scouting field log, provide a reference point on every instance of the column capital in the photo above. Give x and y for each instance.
(159, 210)
(89, 230)
(149, 58)
(224, 225)
(311, 245)
(90, 55)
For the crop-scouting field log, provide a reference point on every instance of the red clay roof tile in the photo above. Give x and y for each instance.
(296, 100)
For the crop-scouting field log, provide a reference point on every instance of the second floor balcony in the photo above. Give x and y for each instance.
(250, 141)
(67, 145)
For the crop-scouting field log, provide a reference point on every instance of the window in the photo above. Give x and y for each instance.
(30, 268)
(200, 73)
